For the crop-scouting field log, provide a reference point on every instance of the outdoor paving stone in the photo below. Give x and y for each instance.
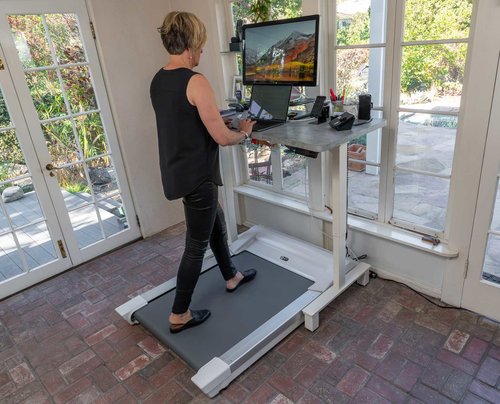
(427, 395)
(436, 374)
(456, 341)
(475, 350)
(373, 345)
(456, 385)
(489, 372)
(484, 391)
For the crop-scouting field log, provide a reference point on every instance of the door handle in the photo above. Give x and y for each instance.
(51, 167)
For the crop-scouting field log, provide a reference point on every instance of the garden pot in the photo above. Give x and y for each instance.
(357, 152)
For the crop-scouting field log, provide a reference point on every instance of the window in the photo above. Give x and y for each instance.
(291, 174)
(422, 85)
(359, 52)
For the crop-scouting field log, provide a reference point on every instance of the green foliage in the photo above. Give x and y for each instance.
(435, 66)
(262, 10)
(75, 188)
(356, 31)
(61, 136)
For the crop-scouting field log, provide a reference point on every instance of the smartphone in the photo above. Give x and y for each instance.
(317, 108)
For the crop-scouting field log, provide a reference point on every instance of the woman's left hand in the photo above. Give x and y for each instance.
(246, 125)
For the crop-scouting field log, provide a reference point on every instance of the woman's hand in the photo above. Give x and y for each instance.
(246, 125)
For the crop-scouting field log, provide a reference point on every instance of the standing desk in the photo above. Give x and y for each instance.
(321, 138)
(295, 280)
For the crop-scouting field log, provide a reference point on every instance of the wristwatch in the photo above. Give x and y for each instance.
(247, 135)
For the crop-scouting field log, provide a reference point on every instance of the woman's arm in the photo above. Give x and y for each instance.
(200, 94)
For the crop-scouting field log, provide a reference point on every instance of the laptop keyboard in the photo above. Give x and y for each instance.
(259, 126)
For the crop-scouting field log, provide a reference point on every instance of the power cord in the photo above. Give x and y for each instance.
(374, 275)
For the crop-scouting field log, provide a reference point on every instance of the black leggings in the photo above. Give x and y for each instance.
(205, 224)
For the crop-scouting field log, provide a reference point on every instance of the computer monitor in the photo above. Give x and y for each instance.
(281, 52)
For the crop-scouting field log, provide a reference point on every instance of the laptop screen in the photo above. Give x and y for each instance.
(269, 102)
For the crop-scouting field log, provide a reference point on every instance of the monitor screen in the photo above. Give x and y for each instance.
(281, 52)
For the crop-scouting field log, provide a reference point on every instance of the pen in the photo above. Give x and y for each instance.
(332, 95)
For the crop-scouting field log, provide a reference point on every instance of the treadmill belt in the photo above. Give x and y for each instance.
(234, 315)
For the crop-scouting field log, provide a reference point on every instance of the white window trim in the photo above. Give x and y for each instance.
(382, 230)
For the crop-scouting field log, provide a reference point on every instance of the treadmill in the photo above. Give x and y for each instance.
(246, 324)
(295, 279)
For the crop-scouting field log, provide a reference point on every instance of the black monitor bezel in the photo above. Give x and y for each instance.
(311, 83)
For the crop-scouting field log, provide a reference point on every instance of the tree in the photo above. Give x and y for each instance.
(261, 10)
(434, 66)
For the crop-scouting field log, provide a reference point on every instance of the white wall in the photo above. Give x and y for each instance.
(131, 52)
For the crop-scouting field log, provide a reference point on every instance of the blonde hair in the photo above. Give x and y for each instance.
(182, 30)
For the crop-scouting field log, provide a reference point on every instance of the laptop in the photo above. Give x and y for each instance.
(269, 105)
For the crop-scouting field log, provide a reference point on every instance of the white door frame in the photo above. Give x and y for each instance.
(480, 295)
(79, 8)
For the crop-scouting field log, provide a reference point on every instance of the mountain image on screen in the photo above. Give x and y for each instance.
(288, 60)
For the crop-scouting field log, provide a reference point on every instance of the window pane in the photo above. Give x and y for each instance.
(30, 39)
(295, 173)
(46, 93)
(10, 259)
(360, 22)
(432, 76)
(65, 36)
(78, 86)
(495, 221)
(12, 162)
(421, 199)
(113, 215)
(426, 142)
(259, 164)
(4, 113)
(37, 245)
(61, 142)
(437, 19)
(103, 177)
(361, 71)
(26, 209)
(91, 135)
(491, 267)
(74, 186)
(86, 225)
(364, 179)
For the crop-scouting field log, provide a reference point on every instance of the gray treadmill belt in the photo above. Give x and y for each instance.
(234, 315)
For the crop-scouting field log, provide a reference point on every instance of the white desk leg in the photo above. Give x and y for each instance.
(339, 212)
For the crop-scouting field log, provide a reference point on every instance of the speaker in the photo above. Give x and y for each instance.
(365, 106)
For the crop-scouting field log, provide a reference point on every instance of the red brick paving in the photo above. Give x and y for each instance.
(61, 341)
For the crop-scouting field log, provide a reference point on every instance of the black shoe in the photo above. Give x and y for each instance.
(199, 316)
(248, 275)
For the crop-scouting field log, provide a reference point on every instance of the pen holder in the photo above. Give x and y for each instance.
(338, 106)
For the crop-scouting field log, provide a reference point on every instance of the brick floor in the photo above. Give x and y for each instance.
(61, 341)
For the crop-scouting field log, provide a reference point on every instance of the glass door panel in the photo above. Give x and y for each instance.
(59, 78)
(25, 242)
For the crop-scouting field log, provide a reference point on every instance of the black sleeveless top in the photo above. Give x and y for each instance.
(188, 154)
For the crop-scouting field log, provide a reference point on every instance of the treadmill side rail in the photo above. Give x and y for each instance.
(211, 376)
(127, 309)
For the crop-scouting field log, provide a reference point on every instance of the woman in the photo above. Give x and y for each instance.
(190, 130)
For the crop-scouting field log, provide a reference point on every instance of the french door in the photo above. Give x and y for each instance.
(481, 291)
(65, 197)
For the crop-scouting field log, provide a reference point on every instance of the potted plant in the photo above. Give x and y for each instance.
(356, 151)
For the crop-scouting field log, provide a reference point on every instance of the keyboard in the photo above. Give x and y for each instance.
(259, 126)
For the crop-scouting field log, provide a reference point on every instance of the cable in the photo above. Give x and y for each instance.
(420, 294)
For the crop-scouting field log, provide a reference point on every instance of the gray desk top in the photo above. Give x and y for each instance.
(314, 137)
